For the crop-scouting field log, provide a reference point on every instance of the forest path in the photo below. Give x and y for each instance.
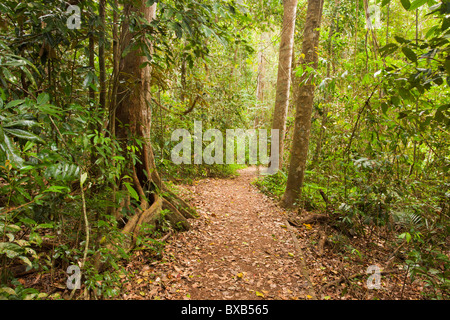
(238, 248)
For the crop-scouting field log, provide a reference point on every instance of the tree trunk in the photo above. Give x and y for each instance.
(91, 64)
(133, 120)
(101, 55)
(304, 104)
(260, 81)
(284, 73)
(328, 94)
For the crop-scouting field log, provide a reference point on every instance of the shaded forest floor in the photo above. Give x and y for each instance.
(241, 248)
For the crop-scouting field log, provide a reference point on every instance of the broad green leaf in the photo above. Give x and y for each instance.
(49, 109)
(416, 4)
(440, 114)
(14, 103)
(384, 107)
(132, 192)
(445, 23)
(10, 150)
(404, 93)
(431, 31)
(45, 226)
(24, 135)
(9, 75)
(401, 40)
(11, 250)
(406, 4)
(20, 123)
(28, 221)
(63, 171)
(9, 228)
(43, 98)
(408, 237)
(409, 54)
(26, 260)
(388, 49)
(8, 290)
(447, 65)
(57, 189)
(83, 178)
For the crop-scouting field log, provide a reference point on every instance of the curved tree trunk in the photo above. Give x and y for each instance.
(304, 104)
(284, 73)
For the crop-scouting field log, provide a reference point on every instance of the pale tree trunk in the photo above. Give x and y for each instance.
(304, 104)
(284, 73)
(101, 55)
(91, 64)
(260, 87)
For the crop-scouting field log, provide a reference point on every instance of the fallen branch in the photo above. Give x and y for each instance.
(21, 270)
(393, 255)
(324, 196)
(165, 237)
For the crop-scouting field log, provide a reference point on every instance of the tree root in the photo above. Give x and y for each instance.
(160, 209)
(298, 221)
(304, 269)
(184, 208)
(356, 275)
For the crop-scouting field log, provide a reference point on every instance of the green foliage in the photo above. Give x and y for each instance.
(428, 259)
(272, 185)
(382, 151)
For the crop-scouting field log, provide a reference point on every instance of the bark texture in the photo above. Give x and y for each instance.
(304, 104)
(284, 73)
(133, 113)
(132, 119)
(261, 80)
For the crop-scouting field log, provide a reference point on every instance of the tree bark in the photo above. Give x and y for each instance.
(260, 88)
(328, 95)
(133, 114)
(284, 73)
(101, 55)
(133, 120)
(91, 64)
(304, 104)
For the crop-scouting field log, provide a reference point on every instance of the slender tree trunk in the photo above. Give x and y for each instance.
(183, 79)
(330, 70)
(261, 80)
(91, 64)
(387, 22)
(101, 55)
(372, 31)
(284, 73)
(116, 67)
(304, 104)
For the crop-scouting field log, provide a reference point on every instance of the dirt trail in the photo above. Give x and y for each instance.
(239, 248)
